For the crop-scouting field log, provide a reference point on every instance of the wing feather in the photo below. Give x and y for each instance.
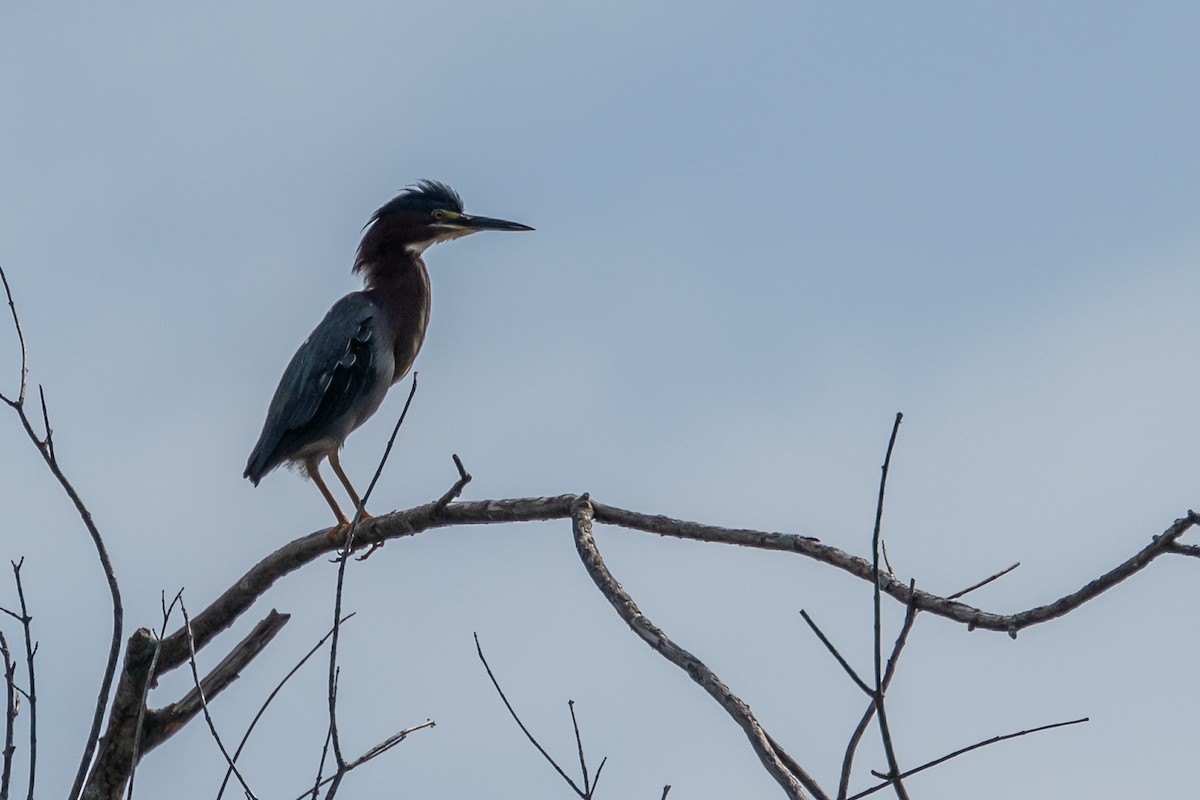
(333, 369)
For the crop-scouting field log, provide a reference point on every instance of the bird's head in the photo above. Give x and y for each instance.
(426, 213)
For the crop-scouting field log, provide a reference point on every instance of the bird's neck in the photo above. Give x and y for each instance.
(400, 287)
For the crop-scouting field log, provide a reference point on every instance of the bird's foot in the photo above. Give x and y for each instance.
(340, 535)
(370, 550)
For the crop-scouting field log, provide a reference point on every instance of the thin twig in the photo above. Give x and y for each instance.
(666, 790)
(187, 624)
(587, 786)
(910, 617)
(30, 652)
(10, 715)
(881, 707)
(141, 715)
(834, 652)
(377, 750)
(961, 751)
(317, 782)
(24, 378)
(454, 491)
(532, 739)
(984, 582)
(271, 697)
(341, 582)
(48, 439)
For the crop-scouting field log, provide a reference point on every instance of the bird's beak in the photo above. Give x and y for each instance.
(471, 224)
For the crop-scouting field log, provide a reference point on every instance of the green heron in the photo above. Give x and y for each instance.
(367, 341)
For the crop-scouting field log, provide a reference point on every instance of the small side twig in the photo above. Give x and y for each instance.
(892, 779)
(377, 750)
(583, 793)
(454, 491)
(984, 582)
(838, 656)
(1192, 550)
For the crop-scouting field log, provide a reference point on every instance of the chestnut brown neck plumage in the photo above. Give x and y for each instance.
(397, 281)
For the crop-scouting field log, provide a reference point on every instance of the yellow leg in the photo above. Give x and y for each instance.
(314, 473)
(336, 465)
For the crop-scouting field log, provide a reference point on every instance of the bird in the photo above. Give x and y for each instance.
(366, 343)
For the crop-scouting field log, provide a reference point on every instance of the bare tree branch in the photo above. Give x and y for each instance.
(45, 446)
(164, 722)
(223, 611)
(793, 781)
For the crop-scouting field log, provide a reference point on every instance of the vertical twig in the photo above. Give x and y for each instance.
(10, 715)
(884, 730)
(270, 698)
(341, 582)
(137, 728)
(24, 379)
(30, 652)
(212, 727)
(587, 785)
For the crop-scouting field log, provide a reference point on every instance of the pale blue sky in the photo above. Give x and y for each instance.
(761, 231)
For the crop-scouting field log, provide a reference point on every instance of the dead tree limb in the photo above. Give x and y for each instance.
(795, 781)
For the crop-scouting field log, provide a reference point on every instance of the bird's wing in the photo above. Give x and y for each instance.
(333, 368)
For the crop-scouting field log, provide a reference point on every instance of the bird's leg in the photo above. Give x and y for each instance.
(336, 464)
(343, 526)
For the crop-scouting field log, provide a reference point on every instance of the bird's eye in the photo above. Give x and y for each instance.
(439, 214)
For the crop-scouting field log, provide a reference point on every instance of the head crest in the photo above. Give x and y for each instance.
(424, 195)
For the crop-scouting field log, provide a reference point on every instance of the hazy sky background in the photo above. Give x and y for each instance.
(762, 230)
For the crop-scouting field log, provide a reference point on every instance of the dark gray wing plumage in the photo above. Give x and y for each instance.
(333, 368)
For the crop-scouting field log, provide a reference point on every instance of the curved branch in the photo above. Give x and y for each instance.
(793, 780)
(223, 611)
(45, 446)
